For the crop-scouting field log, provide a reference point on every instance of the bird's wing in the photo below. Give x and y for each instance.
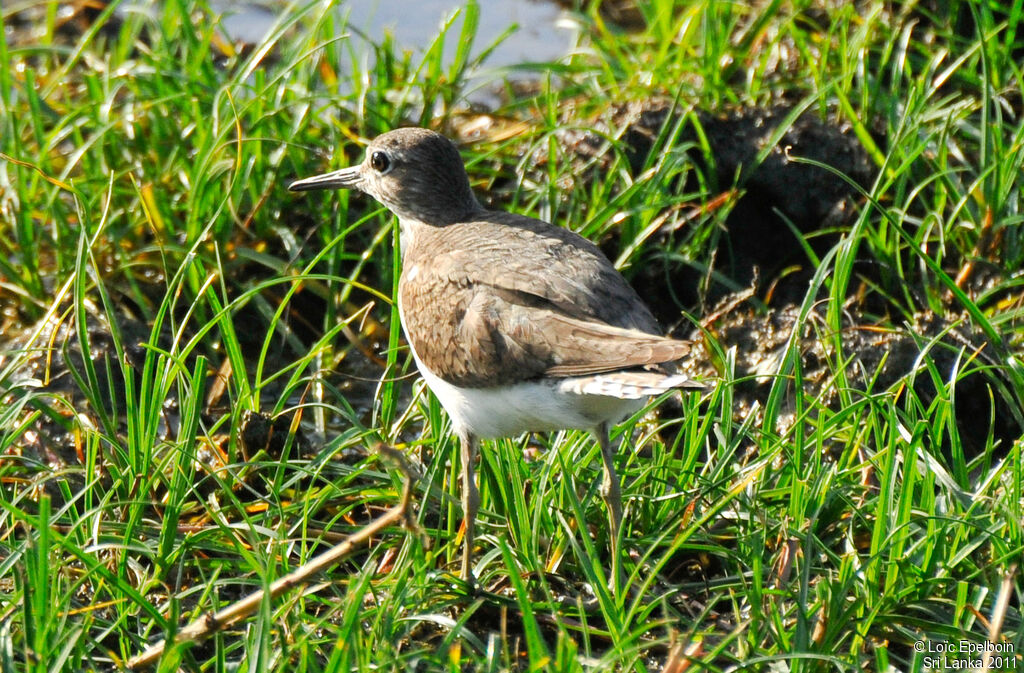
(558, 266)
(551, 311)
(570, 345)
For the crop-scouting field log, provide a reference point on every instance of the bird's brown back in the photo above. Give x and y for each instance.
(503, 297)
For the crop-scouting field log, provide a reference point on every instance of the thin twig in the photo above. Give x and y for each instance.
(995, 624)
(213, 622)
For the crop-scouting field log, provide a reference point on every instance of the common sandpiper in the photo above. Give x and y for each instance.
(516, 325)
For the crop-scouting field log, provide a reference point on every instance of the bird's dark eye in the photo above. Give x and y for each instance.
(380, 161)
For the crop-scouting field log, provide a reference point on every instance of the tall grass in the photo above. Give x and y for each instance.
(144, 222)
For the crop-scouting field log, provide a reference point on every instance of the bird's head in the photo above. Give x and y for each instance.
(416, 173)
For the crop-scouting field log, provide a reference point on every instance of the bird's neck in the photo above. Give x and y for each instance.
(412, 231)
(409, 232)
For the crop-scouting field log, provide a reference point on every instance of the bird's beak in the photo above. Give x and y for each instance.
(346, 178)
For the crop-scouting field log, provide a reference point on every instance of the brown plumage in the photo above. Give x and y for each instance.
(555, 306)
(517, 325)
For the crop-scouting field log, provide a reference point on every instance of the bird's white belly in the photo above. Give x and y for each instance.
(532, 406)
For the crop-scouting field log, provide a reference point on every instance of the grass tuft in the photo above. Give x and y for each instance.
(197, 365)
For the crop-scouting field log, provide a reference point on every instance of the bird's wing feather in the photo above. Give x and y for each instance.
(558, 266)
(570, 345)
(554, 310)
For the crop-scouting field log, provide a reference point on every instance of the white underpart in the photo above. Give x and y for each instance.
(532, 406)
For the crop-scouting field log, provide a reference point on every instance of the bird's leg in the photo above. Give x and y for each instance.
(610, 484)
(470, 499)
(610, 492)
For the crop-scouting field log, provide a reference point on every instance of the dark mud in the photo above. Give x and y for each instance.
(74, 371)
(56, 359)
(781, 203)
(916, 360)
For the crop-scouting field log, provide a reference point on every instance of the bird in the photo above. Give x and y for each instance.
(515, 324)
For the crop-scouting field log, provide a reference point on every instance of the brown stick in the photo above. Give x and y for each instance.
(210, 623)
(995, 624)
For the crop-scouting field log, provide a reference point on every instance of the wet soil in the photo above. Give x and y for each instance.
(64, 355)
(908, 359)
(754, 159)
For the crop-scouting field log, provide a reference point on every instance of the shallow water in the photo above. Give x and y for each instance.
(542, 33)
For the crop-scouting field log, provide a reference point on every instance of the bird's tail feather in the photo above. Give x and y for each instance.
(628, 385)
